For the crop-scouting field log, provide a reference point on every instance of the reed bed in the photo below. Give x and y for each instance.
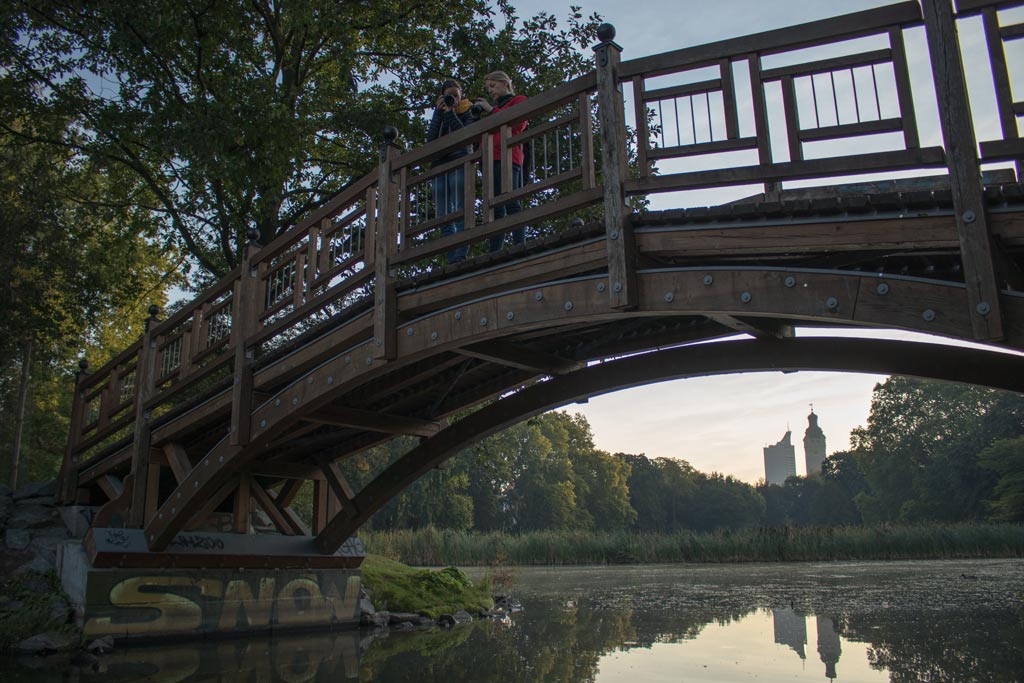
(437, 547)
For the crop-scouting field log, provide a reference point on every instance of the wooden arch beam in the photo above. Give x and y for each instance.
(959, 364)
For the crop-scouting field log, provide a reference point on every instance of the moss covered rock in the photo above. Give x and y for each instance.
(398, 587)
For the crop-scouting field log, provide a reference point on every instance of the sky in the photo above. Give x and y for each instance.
(722, 423)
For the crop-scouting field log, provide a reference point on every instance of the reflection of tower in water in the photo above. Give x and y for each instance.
(790, 629)
(829, 647)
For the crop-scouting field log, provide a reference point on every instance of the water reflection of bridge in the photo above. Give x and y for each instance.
(347, 330)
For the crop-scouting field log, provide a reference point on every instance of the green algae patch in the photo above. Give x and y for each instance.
(397, 587)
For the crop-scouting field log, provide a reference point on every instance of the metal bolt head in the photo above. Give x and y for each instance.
(614, 234)
(380, 342)
(330, 379)
(617, 287)
(277, 401)
(348, 360)
(309, 381)
(745, 297)
(790, 282)
(601, 286)
(568, 305)
(369, 360)
(539, 296)
(983, 308)
(831, 303)
(483, 322)
(408, 332)
(928, 315)
(969, 217)
(669, 297)
(708, 280)
(433, 336)
(295, 401)
(510, 315)
(882, 288)
(458, 315)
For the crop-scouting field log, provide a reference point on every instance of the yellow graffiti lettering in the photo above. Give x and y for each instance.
(168, 612)
(238, 597)
(301, 603)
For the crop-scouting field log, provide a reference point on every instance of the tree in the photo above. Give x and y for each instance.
(82, 263)
(919, 450)
(1006, 457)
(250, 114)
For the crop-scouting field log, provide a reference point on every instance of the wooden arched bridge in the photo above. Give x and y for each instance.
(350, 329)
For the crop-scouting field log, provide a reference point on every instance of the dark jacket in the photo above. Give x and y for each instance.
(444, 122)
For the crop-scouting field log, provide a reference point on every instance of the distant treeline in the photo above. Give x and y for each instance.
(930, 452)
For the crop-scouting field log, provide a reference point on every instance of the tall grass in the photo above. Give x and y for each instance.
(435, 547)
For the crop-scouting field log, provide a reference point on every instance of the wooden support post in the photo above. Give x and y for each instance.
(622, 290)
(972, 224)
(67, 480)
(152, 492)
(241, 509)
(384, 301)
(244, 322)
(145, 386)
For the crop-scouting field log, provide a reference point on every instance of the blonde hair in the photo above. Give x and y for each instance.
(500, 76)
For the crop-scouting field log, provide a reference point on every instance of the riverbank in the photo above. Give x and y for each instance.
(437, 547)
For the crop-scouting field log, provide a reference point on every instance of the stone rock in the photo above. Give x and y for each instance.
(400, 617)
(375, 620)
(85, 660)
(365, 606)
(507, 603)
(31, 517)
(404, 626)
(101, 646)
(35, 583)
(8, 605)
(17, 539)
(5, 491)
(36, 490)
(77, 518)
(37, 565)
(446, 621)
(463, 617)
(44, 643)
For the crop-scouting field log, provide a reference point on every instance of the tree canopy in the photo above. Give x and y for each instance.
(250, 114)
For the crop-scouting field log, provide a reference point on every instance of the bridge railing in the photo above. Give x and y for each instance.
(732, 94)
(830, 99)
(999, 34)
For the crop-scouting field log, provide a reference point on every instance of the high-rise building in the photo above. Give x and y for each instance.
(790, 629)
(780, 460)
(814, 444)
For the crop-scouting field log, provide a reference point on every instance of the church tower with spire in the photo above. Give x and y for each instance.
(814, 444)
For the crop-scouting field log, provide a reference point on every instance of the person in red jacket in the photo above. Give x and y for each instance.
(499, 87)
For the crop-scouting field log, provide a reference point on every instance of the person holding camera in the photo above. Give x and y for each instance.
(451, 114)
(499, 87)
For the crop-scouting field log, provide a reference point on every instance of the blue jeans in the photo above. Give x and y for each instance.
(448, 194)
(519, 234)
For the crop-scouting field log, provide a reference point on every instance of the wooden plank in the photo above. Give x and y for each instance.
(145, 373)
(762, 329)
(241, 508)
(847, 130)
(384, 305)
(515, 356)
(828, 65)
(619, 242)
(67, 479)
(336, 481)
(374, 421)
(177, 460)
(1000, 76)
(586, 141)
(994, 150)
(286, 470)
(732, 125)
(830, 30)
(903, 91)
(714, 147)
(675, 91)
(244, 322)
(793, 132)
(970, 6)
(643, 134)
(111, 486)
(964, 174)
(152, 491)
(928, 157)
(270, 507)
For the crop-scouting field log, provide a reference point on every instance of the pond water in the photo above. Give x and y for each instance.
(949, 622)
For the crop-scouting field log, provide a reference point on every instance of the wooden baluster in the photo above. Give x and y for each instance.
(67, 480)
(384, 302)
(972, 224)
(622, 291)
(145, 387)
(643, 141)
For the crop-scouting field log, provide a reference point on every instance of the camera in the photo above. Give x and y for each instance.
(476, 110)
(449, 101)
